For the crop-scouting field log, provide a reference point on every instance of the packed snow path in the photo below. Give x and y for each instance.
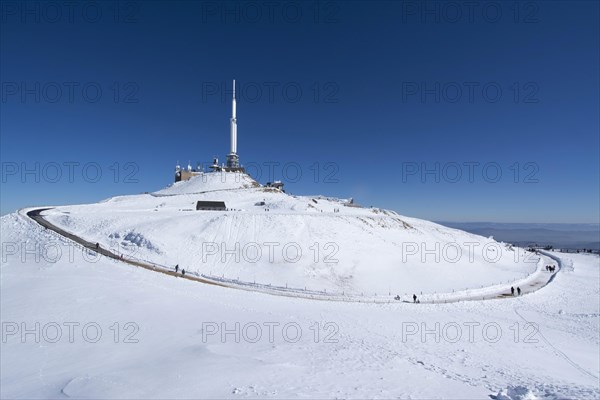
(37, 217)
(533, 282)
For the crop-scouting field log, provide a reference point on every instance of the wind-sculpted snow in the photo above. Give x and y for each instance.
(133, 238)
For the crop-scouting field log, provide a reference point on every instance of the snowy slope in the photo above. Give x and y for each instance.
(361, 351)
(298, 241)
(209, 182)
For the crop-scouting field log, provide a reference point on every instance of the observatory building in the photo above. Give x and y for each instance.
(233, 160)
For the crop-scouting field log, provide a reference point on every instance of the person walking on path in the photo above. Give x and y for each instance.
(512, 290)
(414, 298)
(518, 291)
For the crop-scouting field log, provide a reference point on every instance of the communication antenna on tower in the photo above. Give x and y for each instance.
(233, 160)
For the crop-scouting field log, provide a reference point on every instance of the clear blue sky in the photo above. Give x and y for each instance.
(387, 89)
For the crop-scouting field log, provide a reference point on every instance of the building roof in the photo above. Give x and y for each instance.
(200, 205)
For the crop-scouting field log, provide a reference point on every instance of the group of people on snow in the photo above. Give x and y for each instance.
(512, 290)
(414, 298)
(550, 268)
(97, 246)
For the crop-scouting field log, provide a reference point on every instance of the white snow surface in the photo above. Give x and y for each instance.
(75, 325)
(295, 241)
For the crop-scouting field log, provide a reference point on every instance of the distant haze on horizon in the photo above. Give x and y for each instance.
(565, 236)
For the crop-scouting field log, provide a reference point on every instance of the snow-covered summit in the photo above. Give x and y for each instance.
(210, 181)
(267, 236)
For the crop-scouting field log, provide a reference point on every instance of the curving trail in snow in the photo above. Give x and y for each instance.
(345, 350)
(37, 217)
(531, 283)
(330, 246)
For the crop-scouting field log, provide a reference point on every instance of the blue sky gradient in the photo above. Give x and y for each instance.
(369, 94)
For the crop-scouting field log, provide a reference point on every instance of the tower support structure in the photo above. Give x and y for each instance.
(233, 160)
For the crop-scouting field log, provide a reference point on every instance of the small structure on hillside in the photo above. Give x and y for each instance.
(183, 174)
(211, 206)
(276, 185)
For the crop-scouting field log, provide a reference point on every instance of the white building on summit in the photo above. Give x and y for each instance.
(233, 160)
